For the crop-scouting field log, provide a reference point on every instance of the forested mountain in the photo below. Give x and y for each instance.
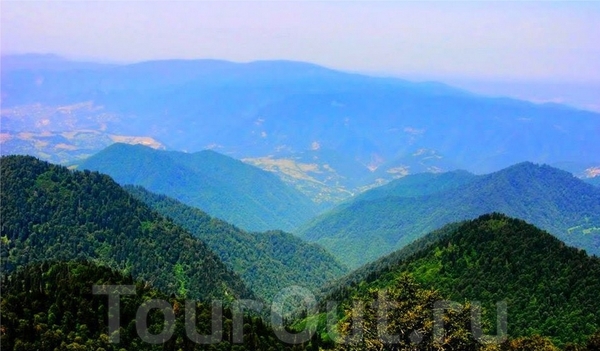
(554, 200)
(52, 213)
(550, 289)
(225, 188)
(51, 306)
(328, 132)
(268, 262)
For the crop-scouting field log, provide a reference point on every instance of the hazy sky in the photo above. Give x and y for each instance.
(510, 40)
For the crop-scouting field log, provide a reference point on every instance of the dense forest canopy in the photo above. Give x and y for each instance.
(50, 212)
(64, 231)
(52, 306)
(550, 289)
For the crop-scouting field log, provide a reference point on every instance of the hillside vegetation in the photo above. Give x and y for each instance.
(52, 213)
(550, 289)
(268, 262)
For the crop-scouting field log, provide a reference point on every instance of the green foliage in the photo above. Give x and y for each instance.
(50, 306)
(376, 224)
(550, 289)
(181, 279)
(50, 212)
(222, 186)
(268, 262)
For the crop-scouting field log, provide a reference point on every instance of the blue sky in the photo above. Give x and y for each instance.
(514, 41)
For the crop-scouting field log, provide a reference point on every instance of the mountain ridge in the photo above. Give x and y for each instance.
(360, 231)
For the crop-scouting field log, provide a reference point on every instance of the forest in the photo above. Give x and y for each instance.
(64, 231)
(52, 213)
(491, 259)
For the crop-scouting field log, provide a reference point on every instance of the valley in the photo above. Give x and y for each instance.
(284, 205)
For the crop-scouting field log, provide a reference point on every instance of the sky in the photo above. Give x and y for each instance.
(545, 44)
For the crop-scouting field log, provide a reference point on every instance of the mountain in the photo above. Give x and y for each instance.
(226, 188)
(554, 200)
(280, 115)
(267, 262)
(550, 289)
(52, 213)
(51, 306)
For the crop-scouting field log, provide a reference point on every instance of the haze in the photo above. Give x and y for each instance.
(549, 47)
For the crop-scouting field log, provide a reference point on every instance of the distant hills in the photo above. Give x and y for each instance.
(550, 289)
(329, 133)
(387, 218)
(225, 188)
(52, 213)
(419, 184)
(268, 262)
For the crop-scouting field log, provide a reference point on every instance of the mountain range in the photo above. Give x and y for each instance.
(330, 133)
(211, 180)
(65, 230)
(387, 218)
(225, 188)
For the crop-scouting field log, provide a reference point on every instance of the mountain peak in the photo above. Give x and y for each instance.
(497, 258)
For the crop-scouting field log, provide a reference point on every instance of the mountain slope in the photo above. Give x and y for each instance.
(550, 289)
(554, 200)
(223, 187)
(50, 212)
(268, 262)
